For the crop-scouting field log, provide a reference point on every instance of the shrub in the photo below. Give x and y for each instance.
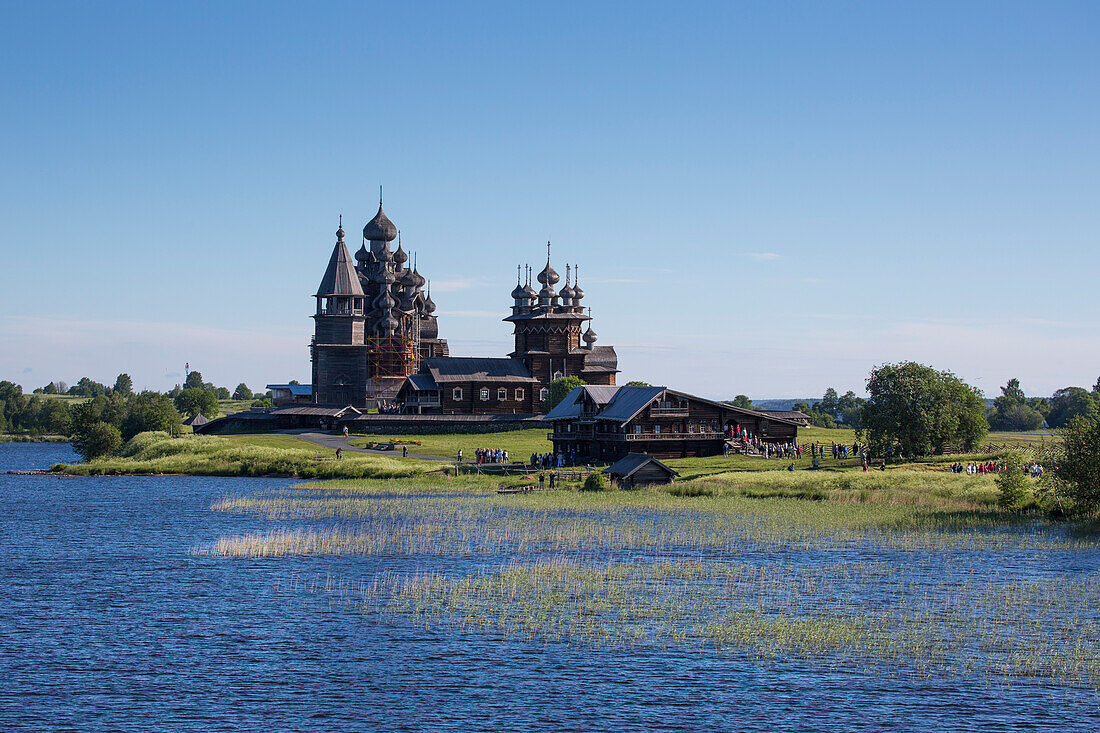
(101, 439)
(594, 482)
(1012, 483)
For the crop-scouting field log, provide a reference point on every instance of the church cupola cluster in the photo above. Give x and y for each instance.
(552, 331)
(374, 322)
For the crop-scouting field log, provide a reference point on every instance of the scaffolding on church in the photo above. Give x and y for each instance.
(390, 359)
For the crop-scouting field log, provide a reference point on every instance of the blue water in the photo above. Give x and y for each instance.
(108, 624)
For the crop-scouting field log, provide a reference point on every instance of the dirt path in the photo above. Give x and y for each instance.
(332, 442)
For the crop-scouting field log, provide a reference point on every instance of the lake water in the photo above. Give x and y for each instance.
(107, 623)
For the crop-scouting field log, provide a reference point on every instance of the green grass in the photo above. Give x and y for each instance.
(21, 438)
(228, 407)
(520, 444)
(276, 441)
(157, 453)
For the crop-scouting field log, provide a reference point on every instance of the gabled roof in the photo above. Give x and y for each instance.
(628, 402)
(444, 369)
(340, 277)
(614, 401)
(626, 466)
(622, 404)
(422, 382)
(731, 408)
(196, 421)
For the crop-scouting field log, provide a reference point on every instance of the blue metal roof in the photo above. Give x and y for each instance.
(298, 390)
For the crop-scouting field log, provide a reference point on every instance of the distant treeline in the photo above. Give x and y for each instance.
(109, 415)
(1012, 410)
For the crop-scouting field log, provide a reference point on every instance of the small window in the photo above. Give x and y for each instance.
(456, 393)
(691, 427)
(502, 394)
(519, 393)
(657, 429)
(557, 375)
(676, 428)
(637, 429)
(544, 394)
(484, 394)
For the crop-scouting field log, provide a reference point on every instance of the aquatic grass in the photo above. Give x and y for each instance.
(993, 625)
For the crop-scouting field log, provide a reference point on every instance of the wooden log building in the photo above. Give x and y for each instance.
(605, 423)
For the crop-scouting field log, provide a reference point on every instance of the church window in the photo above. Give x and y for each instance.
(519, 393)
(456, 394)
(557, 375)
(484, 394)
(502, 394)
(544, 394)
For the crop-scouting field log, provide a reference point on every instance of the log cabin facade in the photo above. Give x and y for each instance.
(605, 423)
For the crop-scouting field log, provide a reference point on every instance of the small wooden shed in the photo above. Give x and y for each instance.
(197, 421)
(639, 469)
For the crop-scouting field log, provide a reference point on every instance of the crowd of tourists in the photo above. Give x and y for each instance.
(491, 455)
(554, 460)
(1035, 470)
(388, 408)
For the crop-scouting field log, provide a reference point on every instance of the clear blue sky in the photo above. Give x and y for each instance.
(765, 198)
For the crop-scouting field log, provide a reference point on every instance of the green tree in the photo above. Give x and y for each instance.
(242, 392)
(742, 401)
(100, 439)
(849, 409)
(1073, 465)
(194, 401)
(50, 388)
(560, 387)
(222, 393)
(87, 387)
(1070, 402)
(193, 380)
(149, 411)
(124, 385)
(1012, 391)
(917, 411)
(55, 417)
(638, 383)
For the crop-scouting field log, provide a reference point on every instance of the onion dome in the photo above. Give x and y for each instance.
(589, 336)
(566, 292)
(548, 276)
(399, 256)
(429, 304)
(547, 295)
(408, 278)
(518, 293)
(380, 228)
(389, 324)
(418, 279)
(363, 254)
(577, 292)
(384, 301)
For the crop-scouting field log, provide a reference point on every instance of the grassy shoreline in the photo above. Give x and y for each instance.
(196, 455)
